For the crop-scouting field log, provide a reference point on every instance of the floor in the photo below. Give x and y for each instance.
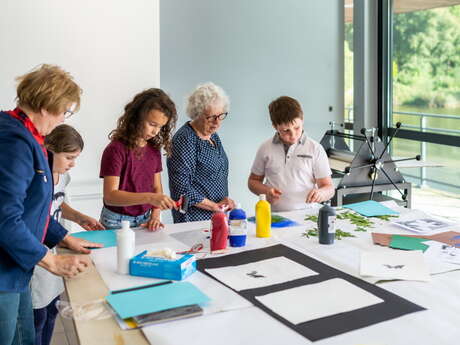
(59, 335)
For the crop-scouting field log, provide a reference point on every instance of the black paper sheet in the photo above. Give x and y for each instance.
(392, 307)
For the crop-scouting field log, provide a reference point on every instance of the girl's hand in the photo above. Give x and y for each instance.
(153, 224)
(89, 223)
(162, 201)
(78, 244)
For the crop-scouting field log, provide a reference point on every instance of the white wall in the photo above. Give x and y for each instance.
(111, 47)
(256, 50)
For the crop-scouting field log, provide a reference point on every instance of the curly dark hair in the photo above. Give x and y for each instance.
(131, 123)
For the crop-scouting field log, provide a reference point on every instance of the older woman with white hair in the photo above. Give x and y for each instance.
(198, 165)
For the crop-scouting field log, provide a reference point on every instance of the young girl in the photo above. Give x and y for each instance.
(66, 144)
(131, 163)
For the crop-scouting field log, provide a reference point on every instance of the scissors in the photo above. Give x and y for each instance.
(195, 249)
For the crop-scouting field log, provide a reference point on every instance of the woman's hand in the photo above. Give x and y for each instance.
(67, 266)
(227, 202)
(89, 223)
(78, 244)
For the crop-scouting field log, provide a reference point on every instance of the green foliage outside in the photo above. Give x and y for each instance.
(426, 54)
(426, 79)
(426, 59)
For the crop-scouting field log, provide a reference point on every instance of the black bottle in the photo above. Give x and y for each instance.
(326, 224)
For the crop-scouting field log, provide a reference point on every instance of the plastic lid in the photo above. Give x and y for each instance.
(125, 225)
(262, 197)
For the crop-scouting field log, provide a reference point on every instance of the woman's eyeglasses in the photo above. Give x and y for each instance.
(217, 117)
(68, 113)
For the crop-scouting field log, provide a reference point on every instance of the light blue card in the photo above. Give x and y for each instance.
(371, 208)
(107, 237)
(156, 298)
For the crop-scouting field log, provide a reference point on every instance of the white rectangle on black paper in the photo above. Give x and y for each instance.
(261, 273)
(314, 301)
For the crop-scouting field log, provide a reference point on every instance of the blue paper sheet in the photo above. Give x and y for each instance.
(157, 298)
(107, 237)
(278, 221)
(371, 208)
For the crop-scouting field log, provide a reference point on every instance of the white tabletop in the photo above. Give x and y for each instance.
(230, 319)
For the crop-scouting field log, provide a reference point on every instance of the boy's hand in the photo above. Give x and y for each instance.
(89, 223)
(274, 195)
(316, 195)
(153, 224)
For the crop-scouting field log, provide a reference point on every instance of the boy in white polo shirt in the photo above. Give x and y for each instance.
(290, 168)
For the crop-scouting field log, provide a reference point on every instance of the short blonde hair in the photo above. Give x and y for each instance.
(204, 96)
(47, 87)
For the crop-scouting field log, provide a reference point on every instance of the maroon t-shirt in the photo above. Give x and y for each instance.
(136, 169)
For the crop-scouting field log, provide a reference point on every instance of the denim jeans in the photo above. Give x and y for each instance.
(16, 318)
(44, 320)
(112, 220)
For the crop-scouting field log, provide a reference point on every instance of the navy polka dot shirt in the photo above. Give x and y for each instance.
(198, 170)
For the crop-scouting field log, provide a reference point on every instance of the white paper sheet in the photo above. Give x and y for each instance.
(222, 298)
(314, 301)
(192, 237)
(395, 264)
(443, 253)
(423, 225)
(249, 326)
(261, 273)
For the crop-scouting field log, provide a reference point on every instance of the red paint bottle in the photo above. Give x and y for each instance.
(219, 232)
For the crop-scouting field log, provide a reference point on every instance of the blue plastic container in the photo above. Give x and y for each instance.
(237, 240)
(238, 227)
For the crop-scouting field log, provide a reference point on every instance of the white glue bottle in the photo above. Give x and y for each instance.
(126, 240)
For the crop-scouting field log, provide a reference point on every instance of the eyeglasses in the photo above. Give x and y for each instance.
(68, 113)
(217, 117)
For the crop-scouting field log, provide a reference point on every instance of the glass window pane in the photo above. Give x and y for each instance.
(444, 177)
(426, 89)
(426, 67)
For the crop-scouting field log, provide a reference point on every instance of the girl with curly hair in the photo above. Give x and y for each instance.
(131, 163)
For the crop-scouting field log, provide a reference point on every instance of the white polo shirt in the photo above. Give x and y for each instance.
(294, 171)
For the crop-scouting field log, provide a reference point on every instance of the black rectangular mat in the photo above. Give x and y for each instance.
(392, 307)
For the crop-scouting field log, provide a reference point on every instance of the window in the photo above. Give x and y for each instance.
(424, 73)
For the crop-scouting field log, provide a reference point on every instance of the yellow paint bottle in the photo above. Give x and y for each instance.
(263, 217)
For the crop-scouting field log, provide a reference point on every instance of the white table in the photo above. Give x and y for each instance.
(230, 319)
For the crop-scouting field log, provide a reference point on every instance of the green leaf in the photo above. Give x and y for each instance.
(312, 218)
